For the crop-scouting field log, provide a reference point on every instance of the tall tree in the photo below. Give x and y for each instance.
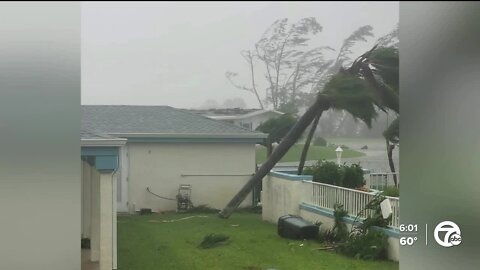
(249, 57)
(292, 66)
(284, 56)
(351, 90)
(323, 75)
(386, 64)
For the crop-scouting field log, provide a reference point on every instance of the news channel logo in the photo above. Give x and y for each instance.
(452, 235)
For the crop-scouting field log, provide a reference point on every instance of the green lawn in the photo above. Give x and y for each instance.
(314, 153)
(147, 243)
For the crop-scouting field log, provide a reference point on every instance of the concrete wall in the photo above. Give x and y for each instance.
(285, 194)
(216, 172)
(280, 197)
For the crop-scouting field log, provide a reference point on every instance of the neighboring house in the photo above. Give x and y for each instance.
(127, 149)
(246, 118)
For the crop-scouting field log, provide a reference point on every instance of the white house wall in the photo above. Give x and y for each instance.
(216, 172)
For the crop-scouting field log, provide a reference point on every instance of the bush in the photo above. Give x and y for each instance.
(325, 172)
(339, 232)
(353, 176)
(370, 246)
(329, 172)
(319, 141)
(391, 192)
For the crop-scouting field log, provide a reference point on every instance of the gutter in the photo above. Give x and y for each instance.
(103, 142)
(256, 135)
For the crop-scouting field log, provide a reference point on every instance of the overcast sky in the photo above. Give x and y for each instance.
(176, 54)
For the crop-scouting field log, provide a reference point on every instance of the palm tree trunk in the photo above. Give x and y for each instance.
(269, 146)
(303, 157)
(322, 103)
(390, 148)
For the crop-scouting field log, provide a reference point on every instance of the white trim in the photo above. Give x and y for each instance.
(123, 176)
(192, 135)
(103, 142)
(242, 116)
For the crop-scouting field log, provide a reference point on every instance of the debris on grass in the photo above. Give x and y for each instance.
(213, 240)
(173, 220)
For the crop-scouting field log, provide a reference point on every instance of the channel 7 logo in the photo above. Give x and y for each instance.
(452, 235)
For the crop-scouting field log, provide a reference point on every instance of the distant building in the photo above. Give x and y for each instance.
(246, 118)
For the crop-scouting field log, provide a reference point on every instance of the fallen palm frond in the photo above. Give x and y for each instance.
(212, 240)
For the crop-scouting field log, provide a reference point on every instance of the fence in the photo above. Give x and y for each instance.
(380, 181)
(285, 193)
(353, 201)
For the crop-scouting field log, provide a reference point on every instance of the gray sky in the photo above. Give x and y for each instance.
(173, 53)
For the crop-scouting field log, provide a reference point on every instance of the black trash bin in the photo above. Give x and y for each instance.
(295, 227)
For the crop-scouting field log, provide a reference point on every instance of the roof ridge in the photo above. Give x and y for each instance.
(213, 120)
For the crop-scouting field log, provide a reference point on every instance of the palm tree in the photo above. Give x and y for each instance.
(343, 57)
(392, 138)
(355, 90)
(384, 63)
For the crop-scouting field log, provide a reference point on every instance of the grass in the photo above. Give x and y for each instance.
(314, 153)
(147, 243)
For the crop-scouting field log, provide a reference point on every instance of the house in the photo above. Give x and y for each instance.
(127, 149)
(246, 118)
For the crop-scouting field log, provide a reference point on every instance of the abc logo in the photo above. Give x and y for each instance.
(452, 234)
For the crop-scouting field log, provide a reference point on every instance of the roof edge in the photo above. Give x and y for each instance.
(253, 135)
(103, 142)
(242, 116)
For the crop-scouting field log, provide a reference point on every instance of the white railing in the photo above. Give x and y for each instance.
(380, 181)
(353, 201)
(395, 202)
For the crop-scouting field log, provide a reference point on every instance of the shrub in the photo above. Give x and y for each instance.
(375, 217)
(370, 246)
(391, 191)
(325, 172)
(353, 176)
(364, 242)
(339, 232)
(329, 172)
(320, 141)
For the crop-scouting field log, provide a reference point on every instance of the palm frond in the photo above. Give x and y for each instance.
(353, 95)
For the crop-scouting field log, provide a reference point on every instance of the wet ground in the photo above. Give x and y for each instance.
(375, 158)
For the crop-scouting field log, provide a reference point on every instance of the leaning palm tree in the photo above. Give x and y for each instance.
(386, 71)
(354, 89)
